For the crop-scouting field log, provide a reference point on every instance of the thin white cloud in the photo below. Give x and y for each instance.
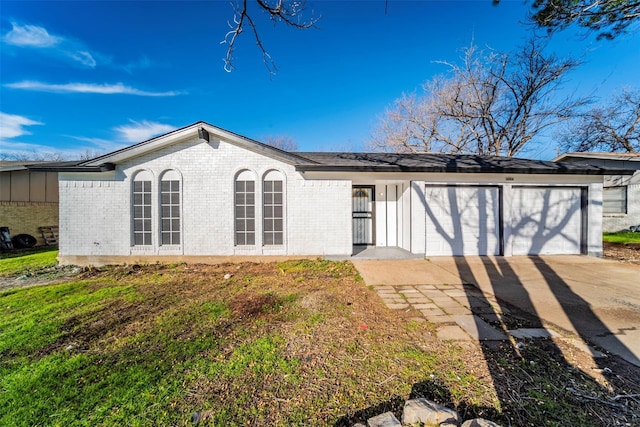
(30, 36)
(99, 144)
(141, 131)
(33, 36)
(12, 125)
(83, 57)
(104, 89)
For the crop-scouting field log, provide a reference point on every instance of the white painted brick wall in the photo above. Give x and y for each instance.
(95, 213)
(617, 222)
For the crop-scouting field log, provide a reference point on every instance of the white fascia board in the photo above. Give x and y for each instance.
(189, 133)
(455, 177)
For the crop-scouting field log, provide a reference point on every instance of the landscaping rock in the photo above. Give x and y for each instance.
(479, 422)
(428, 412)
(384, 420)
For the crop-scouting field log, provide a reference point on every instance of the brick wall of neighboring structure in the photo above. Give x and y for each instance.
(617, 222)
(26, 217)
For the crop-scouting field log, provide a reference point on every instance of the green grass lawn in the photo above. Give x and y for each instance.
(621, 237)
(24, 262)
(294, 343)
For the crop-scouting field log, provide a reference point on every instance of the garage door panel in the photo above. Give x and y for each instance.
(462, 220)
(546, 221)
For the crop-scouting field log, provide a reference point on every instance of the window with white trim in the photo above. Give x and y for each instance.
(614, 200)
(141, 215)
(245, 209)
(273, 209)
(170, 208)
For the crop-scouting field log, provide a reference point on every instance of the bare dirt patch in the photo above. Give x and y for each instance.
(623, 253)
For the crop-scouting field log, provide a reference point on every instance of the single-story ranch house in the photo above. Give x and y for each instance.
(621, 193)
(202, 190)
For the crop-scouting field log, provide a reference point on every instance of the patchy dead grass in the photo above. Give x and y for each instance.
(294, 343)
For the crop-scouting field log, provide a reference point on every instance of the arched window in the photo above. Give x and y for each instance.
(273, 209)
(170, 208)
(141, 206)
(245, 209)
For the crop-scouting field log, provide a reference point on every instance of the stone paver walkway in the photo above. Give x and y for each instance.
(454, 308)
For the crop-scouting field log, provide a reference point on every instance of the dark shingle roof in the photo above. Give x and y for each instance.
(465, 163)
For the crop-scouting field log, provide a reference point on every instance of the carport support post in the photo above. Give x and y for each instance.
(418, 218)
(505, 213)
(594, 220)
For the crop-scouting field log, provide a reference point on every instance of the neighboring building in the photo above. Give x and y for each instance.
(621, 194)
(201, 190)
(28, 199)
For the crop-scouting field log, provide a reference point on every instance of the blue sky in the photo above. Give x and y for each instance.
(98, 76)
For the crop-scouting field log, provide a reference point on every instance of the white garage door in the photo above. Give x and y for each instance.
(462, 220)
(546, 221)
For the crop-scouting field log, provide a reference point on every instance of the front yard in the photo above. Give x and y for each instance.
(292, 343)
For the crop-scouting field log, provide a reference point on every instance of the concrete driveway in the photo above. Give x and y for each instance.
(596, 299)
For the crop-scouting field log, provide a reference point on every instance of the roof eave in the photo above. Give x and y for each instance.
(104, 167)
(434, 169)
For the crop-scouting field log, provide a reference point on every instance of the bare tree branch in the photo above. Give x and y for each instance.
(289, 12)
(283, 142)
(491, 103)
(612, 127)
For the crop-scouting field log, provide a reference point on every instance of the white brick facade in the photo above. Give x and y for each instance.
(96, 212)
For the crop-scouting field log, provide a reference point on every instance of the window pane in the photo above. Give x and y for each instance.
(250, 199)
(166, 239)
(277, 224)
(137, 211)
(251, 212)
(240, 240)
(166, 211)
(147, 224)
(166, 224)
(268, 239)
(175, 211)
(251, 239)
(240, 212)
(251, 225)
(175, 224)
(277, 186)
(268, 212)
(165, 185)
(250, 186)
(175, 198)
(277, 211)
(268, 186)
(268, 225)
(147, 238)
(277, 198)
(147, 199)
(240, 198)
(175, 238)
(138, 239)
(175, 186)
(277, 238)
(147, 211)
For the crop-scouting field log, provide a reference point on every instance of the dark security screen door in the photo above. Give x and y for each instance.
(363, 215)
